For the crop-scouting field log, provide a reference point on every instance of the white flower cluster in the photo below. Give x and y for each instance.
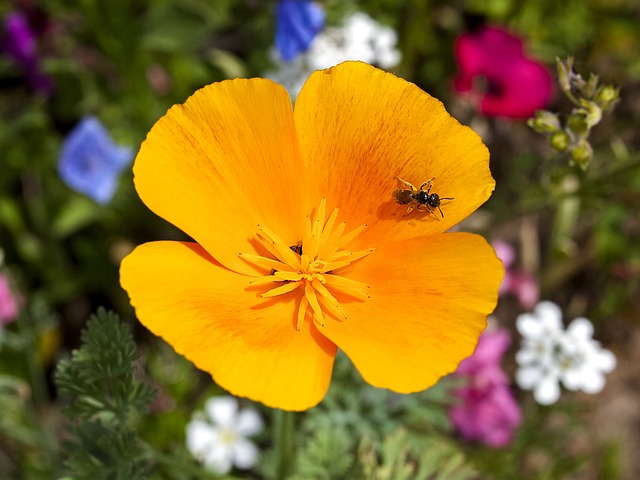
(216, 436)
(550, 355)
(360, 38)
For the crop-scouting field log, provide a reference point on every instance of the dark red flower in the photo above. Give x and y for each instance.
(493, 65)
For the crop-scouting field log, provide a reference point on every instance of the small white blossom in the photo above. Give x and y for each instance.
(550, 355)
(360, 38)
(586, 361)
(217, 436)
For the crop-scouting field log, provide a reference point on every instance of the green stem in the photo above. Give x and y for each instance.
(35, 371)
(283, 437)
(566, 217)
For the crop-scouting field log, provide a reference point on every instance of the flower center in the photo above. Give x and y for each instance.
(228, 436)
(313, 267)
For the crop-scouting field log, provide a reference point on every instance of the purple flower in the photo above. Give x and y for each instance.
(9, 304)
(487, 411)
(19, 43)
(90, 162)
(513, 86)
(516, 282)
(297, 24)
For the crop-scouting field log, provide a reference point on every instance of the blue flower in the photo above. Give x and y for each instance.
(90, 162)
(297, 24)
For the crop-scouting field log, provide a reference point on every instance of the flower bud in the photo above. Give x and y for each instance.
(559, 141)
(592, 113)
(565, 67)
(544, 122)
(577, 123)
(589, 88)
(582, 154)
(607, 97)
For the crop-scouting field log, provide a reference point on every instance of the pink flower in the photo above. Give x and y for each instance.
(487, 411)
(516, 282)
(514, 86)
(8, 302)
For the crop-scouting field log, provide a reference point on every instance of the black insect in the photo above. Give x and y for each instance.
(417, 198)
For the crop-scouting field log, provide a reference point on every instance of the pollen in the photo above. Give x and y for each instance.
(314, 272)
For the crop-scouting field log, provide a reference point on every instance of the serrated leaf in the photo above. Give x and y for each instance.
(103, 392)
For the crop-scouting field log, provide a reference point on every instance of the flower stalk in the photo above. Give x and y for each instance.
(283, 439)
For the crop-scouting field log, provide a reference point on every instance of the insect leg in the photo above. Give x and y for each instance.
(428, 182)
(407, 184)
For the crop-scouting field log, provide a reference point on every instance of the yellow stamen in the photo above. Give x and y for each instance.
(264, 262)
(348, 286)
(310, 293)
(331, 300)
(302, 311)
(330, 245)
(285, 276)
(280, 250)
(317, 266)
(286, 288)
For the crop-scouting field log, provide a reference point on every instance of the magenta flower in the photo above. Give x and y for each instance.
(519, 283)
(487, 411)
(493, 66)
(18, 42)
(8, 303)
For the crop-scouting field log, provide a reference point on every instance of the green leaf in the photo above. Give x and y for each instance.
(325, 456)
(78, 212)
(230, 65)
(104, 393)
(406, 457)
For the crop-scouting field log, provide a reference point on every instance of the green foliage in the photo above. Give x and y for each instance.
(366, 411)
(104, 394)
(359, 431)
(326, 455)
(400, 458)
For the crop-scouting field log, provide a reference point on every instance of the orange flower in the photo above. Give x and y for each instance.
(301, 248)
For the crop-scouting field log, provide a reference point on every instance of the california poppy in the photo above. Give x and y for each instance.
(299, 247)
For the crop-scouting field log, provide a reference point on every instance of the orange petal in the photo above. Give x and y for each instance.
(360, 128)
(222, 163)
(208, 314)
(430, 298)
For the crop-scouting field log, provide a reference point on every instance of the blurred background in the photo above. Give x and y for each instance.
(82, 82)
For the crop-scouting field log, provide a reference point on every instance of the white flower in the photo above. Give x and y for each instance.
(541, 331)
(549, 355)
(360, 38)
(586, 362)
(216, 437)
